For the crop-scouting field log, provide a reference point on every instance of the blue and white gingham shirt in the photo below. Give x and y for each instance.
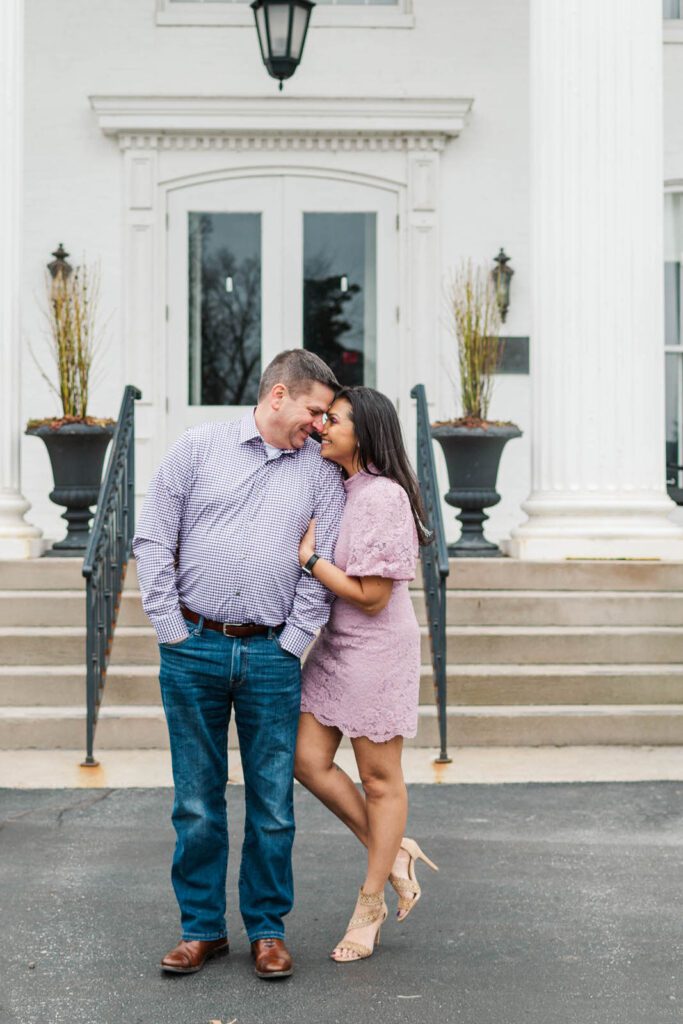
(236, 515)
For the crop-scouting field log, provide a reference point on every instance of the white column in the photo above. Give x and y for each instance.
(17, 538)
(598, 474)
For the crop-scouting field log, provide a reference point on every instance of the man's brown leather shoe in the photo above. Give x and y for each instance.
(272, 958)
(188, 957)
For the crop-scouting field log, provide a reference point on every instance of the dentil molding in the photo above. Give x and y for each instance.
(283, 123)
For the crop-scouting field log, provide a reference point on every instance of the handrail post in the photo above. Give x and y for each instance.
(435, 565)
(106, 558)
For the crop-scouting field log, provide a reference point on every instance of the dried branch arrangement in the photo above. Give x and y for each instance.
(71, 313)
(474, 316)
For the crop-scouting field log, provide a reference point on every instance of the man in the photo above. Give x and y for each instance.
(217, 556)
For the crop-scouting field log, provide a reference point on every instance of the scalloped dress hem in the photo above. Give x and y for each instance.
(354, 734)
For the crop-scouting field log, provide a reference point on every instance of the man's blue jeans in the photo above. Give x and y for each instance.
(202, 679)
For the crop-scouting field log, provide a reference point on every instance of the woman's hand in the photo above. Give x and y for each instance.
(307, 544)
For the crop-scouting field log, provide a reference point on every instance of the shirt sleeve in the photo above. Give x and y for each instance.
(383, 537)
(311, 607)
(156, 540)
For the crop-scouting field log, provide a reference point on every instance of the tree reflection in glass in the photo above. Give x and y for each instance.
(339, 293)
(224, 308)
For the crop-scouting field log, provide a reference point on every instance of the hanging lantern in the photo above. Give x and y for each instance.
(282, 27)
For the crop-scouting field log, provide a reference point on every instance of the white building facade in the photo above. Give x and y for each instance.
(147, 136)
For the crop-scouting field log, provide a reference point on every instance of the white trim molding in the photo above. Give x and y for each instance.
(349, 15)
(172, 142)
(219, 122)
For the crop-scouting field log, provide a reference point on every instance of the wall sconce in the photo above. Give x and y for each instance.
(501, 277)
(59, 266)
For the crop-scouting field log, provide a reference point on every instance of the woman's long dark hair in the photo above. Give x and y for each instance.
(381, 451)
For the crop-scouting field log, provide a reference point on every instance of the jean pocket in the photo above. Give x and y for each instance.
(165, 646)
(282, 650)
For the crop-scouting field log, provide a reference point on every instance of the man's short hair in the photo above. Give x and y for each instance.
(298, 370)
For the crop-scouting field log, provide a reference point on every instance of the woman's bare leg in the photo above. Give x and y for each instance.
(386, 803)
(315, 769)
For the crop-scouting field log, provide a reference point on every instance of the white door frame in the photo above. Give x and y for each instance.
(168, 142)
(281, 199)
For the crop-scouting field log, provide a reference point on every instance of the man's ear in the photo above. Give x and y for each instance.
(277, 393)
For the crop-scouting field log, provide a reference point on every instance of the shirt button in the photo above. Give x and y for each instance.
(237, 593)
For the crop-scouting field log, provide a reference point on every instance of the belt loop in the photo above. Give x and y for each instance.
(200, 626)
(271, 632)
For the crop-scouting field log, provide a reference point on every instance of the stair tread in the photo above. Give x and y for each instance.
(564, 669)
(132, 631)
(425, 710)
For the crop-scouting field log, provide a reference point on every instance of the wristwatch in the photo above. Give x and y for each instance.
(308, 567)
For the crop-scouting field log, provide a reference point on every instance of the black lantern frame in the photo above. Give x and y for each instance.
(501, 277)
(282, 52)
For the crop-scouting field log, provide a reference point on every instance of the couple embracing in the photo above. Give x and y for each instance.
(254, 537)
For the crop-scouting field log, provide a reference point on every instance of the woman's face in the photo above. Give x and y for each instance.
(338, 436)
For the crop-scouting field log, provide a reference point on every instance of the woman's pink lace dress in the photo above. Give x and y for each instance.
(362, 674)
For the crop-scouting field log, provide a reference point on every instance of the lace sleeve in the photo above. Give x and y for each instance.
(383, 538)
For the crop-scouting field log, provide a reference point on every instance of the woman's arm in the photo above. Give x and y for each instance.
(369, 593)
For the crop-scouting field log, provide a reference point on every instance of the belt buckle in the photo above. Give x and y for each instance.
(227, 626)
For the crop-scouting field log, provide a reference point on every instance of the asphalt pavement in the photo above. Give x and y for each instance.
(555, 904)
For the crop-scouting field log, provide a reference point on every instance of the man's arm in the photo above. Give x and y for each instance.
(311, 607)
(156, 541)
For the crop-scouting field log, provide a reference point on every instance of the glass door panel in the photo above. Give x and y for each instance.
(340, 296)
(224, 288)
(340, 293)
(224, 241)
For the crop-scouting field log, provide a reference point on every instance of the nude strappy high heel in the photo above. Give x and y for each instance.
(376, 911)
(408, 889)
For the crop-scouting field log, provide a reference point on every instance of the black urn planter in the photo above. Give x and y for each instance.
(472, 459)
(76, 453)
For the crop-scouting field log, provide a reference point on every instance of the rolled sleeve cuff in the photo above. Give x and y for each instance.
(170, 627)
(294, 640)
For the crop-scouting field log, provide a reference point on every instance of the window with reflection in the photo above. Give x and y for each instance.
(340, 293)
(224, 308)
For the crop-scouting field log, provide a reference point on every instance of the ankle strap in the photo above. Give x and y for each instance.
(370, 899)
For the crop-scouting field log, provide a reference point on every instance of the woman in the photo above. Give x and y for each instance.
(361, 677)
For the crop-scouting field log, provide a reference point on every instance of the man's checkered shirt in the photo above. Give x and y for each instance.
(235, 517)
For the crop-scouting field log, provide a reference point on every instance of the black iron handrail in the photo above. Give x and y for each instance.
(106, 559)
(435, 565)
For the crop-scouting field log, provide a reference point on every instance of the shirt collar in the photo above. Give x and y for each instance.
(249, 432)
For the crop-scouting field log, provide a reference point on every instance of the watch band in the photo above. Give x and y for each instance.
(308, 567)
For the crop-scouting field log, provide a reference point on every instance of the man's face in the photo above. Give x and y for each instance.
(298, 417)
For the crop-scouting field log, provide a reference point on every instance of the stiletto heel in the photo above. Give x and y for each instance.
(408, 889)
(376, 911)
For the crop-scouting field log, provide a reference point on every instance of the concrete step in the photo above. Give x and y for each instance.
(61, 608)
(558, 608)
(140, 727)
(465, 608)
(555, 725)
(511, 574)
(47, 685)
(546, 645)
(51, 574)
(465, 574)
(557, 684)
(599, 645)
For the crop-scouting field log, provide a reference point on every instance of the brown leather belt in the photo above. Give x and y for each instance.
(228, 628)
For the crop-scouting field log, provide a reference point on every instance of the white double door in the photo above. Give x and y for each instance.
(271, 262)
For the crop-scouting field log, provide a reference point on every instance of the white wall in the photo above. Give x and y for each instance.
(73, 182)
